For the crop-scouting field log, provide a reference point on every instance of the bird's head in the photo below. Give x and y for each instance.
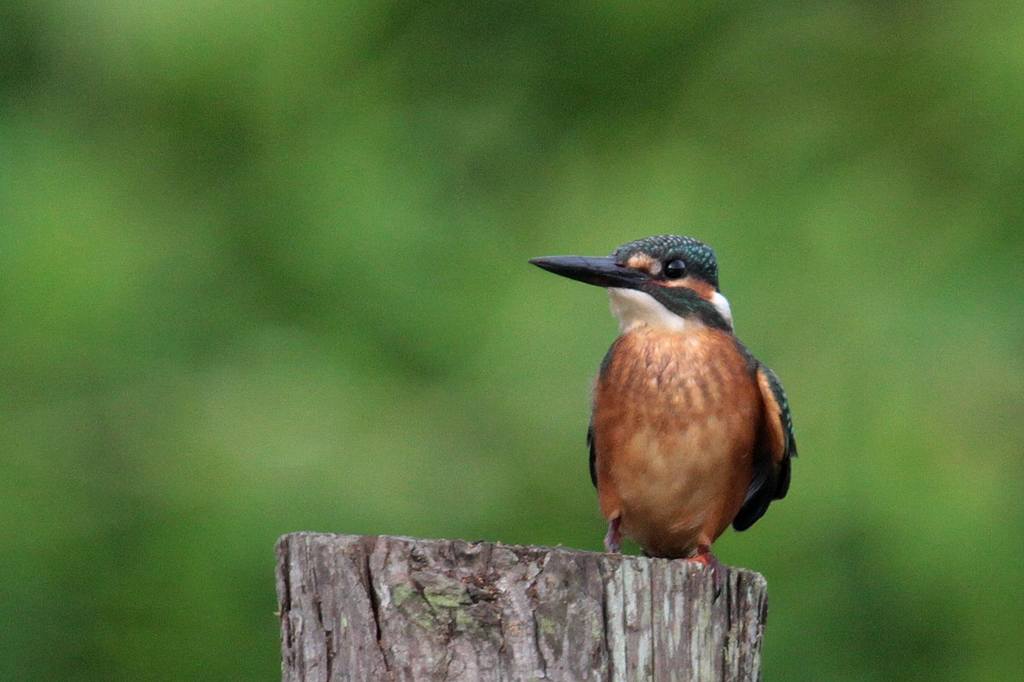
(665, 281)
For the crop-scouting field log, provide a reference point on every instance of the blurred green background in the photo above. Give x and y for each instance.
(263, 269)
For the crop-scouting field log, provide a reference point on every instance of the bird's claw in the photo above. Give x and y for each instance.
(718, 571)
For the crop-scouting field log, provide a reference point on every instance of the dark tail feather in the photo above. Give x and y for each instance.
(759, 496)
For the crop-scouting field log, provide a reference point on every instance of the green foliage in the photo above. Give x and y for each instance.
(263, 268)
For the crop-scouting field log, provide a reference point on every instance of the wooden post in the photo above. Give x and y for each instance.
(392, 608)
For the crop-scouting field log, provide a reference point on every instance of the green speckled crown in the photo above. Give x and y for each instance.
(699, 257)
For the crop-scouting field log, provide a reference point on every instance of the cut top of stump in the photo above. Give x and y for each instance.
(395, 608)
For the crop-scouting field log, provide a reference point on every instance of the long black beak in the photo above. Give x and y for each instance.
(602, 272)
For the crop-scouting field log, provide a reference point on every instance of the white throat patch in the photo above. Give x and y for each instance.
(721, 304)
(634, 308)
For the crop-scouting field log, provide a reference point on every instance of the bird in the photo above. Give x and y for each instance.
(689, 432)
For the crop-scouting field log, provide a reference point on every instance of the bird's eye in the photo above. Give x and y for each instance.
(675, 269)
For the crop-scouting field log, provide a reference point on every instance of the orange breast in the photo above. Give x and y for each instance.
(675, 420)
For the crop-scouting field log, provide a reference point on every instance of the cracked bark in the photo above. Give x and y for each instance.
(389, 608)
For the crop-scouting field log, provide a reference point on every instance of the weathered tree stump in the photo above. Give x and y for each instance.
(391, 608)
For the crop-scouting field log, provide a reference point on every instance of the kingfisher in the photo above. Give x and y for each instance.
(689, 432)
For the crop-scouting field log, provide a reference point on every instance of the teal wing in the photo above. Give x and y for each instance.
(593, 455)
(775, 449)
(590, 429)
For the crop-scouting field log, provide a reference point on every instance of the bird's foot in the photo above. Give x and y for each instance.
(718, 571)
(613, 538)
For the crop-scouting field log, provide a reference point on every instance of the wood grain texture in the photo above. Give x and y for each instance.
(392, 608)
